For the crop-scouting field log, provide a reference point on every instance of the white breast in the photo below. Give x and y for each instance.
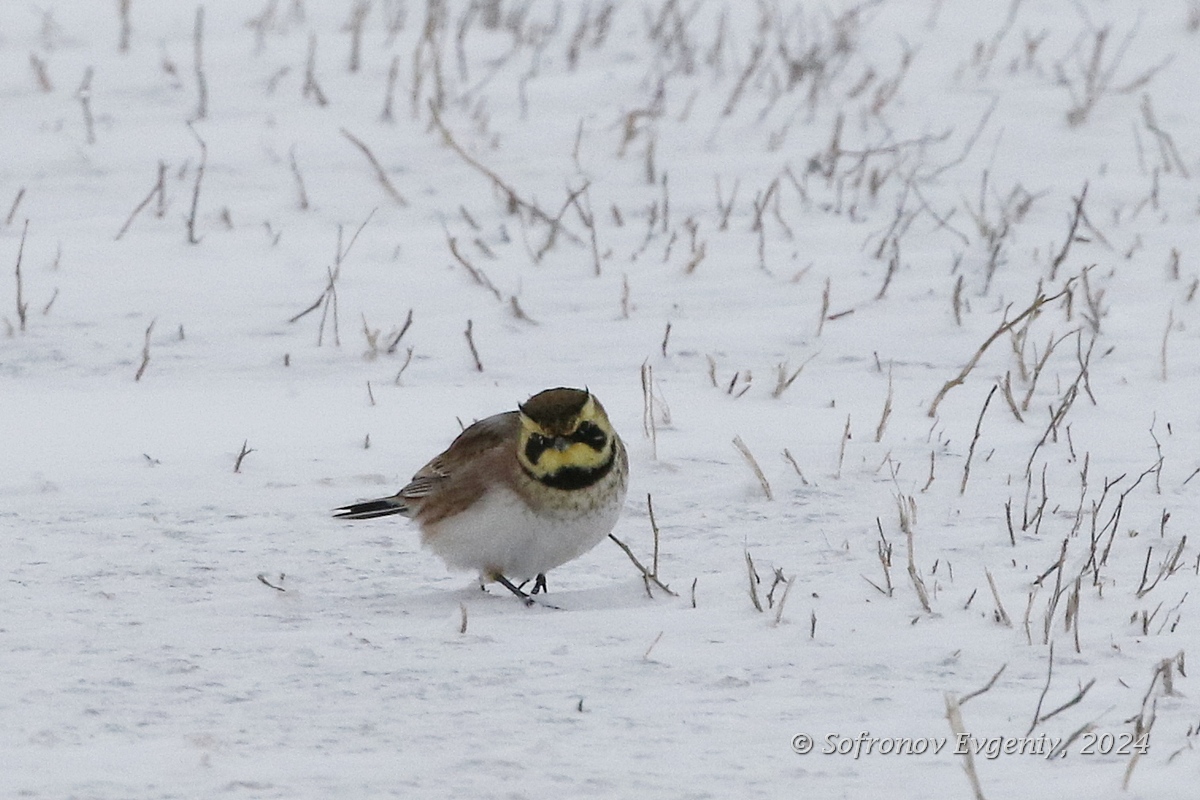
(500, 533)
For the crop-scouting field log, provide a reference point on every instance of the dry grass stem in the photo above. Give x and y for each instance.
(1039, 365)
(584, 210)
(262, 578)
(191, 219)
(649, 418)
(145, 353)
(158, 191)
(1072, 228)
(40, 73)
(1001, 615)
(126, 26)
(1171, 159)
(1170, 565)
(783, 380)
(1166, 335)
(354, 26)
(471, 344)
(50, 302)
(787, 590)
(962, 489)
(842, 448)
(954, 717)
(908, 514)
(1065, 745)
(1005, 327)
(514, 305)
(1144, 721)
(932, 464)
(300, 190)
(478, 275)
(16, 203)
(1042, 697)
(791, 460)
(387, 115)
(646, 574)
(245, 451)
(824, 313)
(752, 575)
(395, 340)
(380, 172)
(654, 528)
(883, 548)
(513, 200)
(1075, 700)
(887, 409)
(407, 360)
(22, 305)
(986, 687)
(84, 95)
(752, 462)
(198, 64)
(311, 87)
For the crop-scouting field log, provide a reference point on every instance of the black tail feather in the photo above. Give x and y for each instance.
(371, 509)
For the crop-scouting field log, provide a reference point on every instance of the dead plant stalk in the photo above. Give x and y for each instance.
(1005, 327)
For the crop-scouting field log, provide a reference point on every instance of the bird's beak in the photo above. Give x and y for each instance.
(561, 444)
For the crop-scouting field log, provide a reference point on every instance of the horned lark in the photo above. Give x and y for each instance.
(519, 493)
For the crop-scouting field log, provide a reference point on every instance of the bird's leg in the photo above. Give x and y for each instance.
(539, 584)
(507, 584)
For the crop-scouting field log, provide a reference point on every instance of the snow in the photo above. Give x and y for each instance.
(172, 627)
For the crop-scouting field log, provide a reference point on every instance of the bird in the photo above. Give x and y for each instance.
(518, 493)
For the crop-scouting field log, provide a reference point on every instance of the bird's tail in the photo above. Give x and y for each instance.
(372, 508)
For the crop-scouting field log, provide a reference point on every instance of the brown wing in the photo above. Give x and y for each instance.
(457, 477)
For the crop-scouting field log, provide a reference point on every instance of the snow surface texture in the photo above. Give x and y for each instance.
(678, 205)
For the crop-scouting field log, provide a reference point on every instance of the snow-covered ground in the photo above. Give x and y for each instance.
(934, 265)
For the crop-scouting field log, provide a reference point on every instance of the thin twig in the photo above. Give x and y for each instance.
(22, 305)
(380, 173)
(962, 700)
(908, 509)
(471, 344)
(1041, 698)
(1074, 226)
(754, 580)
(954, 717)
(245, 451)
(303, 201)
(158, 191)
(1000, 612)
(654, 528)
(753, 464)
(12, 210)
(646, 575)
(145, 352)
(513, 199)
(262, 578)
(191, 220)
(84, 93)
(962, 489)
(198, 56)
(959, 379)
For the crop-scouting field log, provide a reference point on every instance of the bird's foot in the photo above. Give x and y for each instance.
(507, 584)
(525, 598)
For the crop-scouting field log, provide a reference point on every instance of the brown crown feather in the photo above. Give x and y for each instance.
(556, 410)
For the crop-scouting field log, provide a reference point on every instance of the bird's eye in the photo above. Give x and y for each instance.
(536, 445)
(589, 433)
